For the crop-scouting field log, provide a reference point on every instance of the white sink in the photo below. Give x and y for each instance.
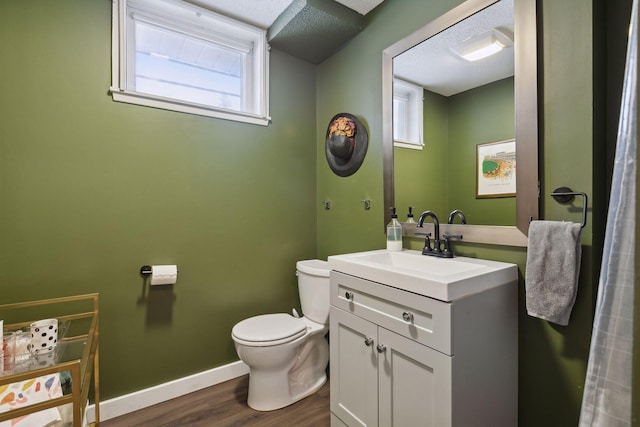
(445, 279)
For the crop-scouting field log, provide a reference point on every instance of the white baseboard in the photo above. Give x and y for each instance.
(140, 399)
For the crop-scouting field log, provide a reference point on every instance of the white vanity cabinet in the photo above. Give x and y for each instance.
(403, 359)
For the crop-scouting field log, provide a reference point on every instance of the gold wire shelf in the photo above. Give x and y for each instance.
(75, 355)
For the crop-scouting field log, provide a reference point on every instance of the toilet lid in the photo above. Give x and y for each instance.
(314, 267)
(269, 327)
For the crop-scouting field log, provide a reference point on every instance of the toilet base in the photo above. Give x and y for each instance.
(302, 372)
(256, 400)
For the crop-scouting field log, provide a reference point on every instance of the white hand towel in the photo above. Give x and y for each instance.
(553, 267)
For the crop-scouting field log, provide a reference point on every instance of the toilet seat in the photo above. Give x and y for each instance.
(268, 329)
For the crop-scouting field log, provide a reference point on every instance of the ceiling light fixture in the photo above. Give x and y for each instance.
(483, 45)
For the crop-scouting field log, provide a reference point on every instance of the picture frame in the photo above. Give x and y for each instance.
(496, 169)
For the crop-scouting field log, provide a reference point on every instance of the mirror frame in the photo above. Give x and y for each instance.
(526, 118)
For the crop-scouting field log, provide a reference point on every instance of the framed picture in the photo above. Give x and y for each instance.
(496, 169)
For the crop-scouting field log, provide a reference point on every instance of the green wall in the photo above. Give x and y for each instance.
(350, 81)
(552, 358)
(91, 190)
(478, 116)
(442, 176)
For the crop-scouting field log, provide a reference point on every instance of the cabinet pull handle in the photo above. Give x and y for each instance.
(349, 295)
(407, 316)
(368, 341)
(381, 348)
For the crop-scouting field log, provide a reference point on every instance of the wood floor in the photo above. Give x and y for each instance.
(224, 405)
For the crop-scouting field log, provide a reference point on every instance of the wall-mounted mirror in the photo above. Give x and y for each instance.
(465, 106)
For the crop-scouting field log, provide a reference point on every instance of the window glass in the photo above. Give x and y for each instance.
(400, 117)
(407, 114)
(173, 55)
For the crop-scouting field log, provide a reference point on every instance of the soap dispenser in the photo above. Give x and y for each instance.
(394, 233)
(410, 219)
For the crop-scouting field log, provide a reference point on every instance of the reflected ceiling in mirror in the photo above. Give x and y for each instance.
(436, 64)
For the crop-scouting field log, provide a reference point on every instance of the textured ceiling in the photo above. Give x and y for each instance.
(263, 13)
(361, 6)
(314, 29)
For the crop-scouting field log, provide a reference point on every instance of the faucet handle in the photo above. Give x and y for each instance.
(447, 252)
(427, 242)
(452, 236)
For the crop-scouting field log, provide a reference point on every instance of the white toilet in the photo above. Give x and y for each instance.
(287, 356)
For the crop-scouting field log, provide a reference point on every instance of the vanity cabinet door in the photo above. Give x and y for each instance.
(354, 369)
(415, 383)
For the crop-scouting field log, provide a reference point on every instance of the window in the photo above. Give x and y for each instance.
(407, 115)
(173, 55)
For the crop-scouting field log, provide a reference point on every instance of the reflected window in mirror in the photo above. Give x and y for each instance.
(407, 115)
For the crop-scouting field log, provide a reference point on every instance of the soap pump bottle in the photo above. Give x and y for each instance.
(394, 233)
(410, 219)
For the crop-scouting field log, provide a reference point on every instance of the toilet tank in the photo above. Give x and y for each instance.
(313, 288)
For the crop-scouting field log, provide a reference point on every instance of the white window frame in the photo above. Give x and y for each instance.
(198, 22)
(411, 96)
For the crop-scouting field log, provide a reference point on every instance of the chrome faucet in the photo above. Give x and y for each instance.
(428, 250)
(459, 213)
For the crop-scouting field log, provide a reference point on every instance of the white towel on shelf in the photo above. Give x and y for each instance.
(553, 267)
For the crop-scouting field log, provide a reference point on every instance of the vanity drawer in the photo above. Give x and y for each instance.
(420, 318)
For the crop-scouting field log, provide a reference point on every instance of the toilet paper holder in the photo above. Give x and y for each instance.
(146, 270)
